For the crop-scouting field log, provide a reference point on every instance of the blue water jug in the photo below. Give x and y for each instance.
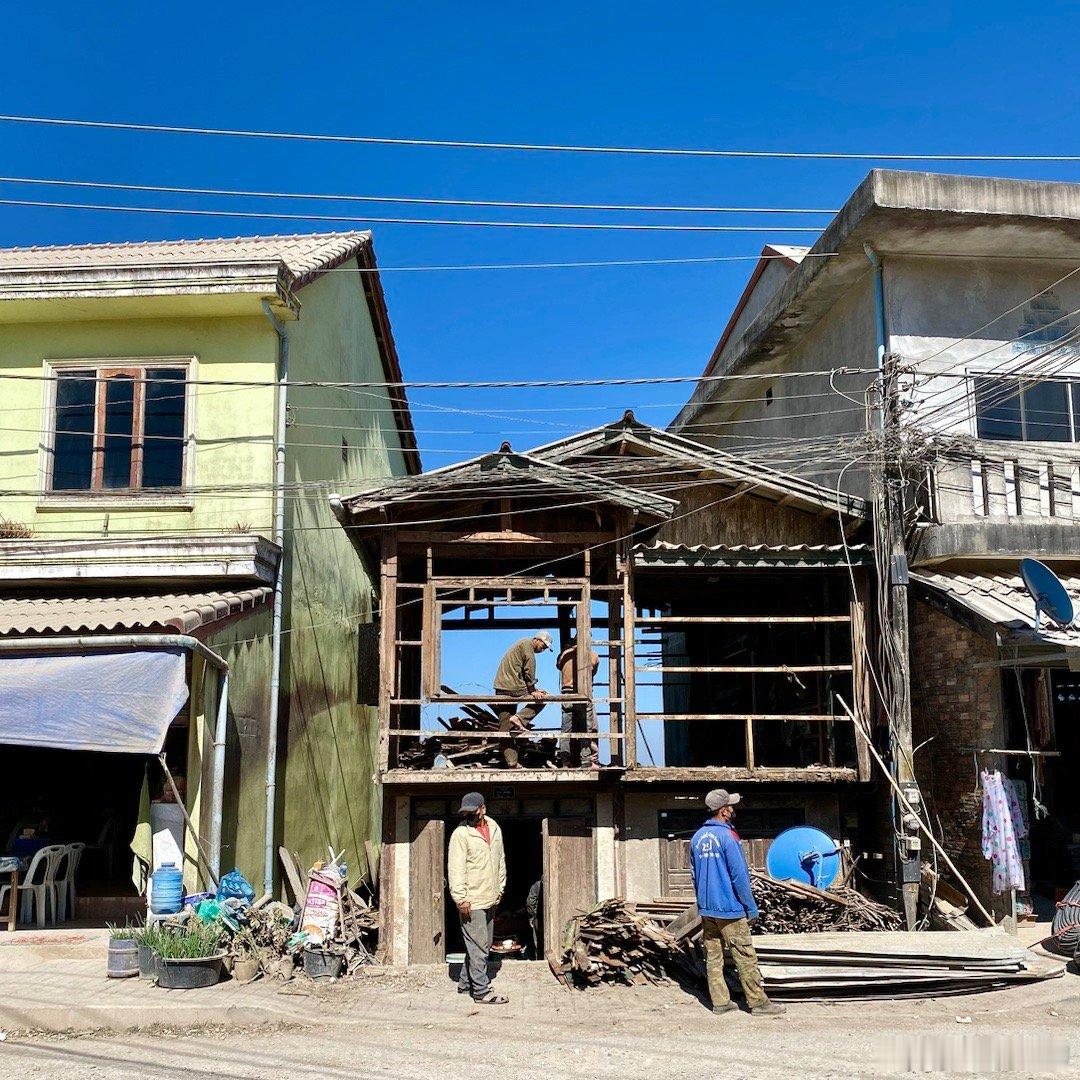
(167, 889)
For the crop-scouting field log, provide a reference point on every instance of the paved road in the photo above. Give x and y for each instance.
(412, 1026)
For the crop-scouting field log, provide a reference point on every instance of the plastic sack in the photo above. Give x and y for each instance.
(208, 911)
(235, 886)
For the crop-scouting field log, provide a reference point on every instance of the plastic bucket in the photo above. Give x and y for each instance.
(147, 963)
(320, 964)
(188, 974)
(123, 962)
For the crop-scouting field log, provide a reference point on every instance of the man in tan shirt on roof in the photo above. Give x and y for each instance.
(516, 679)
(577, 716)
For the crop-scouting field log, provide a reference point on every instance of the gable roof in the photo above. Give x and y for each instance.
(504, 466)
(630, 434)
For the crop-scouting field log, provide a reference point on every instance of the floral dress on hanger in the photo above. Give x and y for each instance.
(1002, 827)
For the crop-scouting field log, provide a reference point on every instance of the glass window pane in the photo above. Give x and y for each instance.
(997, 409)
(73, 449)
(1046, 412)
(163, 428)
(119, 425)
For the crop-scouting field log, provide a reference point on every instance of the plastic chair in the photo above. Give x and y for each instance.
(39, 888)
(65, 883)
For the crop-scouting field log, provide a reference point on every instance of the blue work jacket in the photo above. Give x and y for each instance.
(721, 879)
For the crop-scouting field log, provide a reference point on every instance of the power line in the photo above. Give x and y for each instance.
(269, 215)
(564, 148)
(642, 380)
(102, 185)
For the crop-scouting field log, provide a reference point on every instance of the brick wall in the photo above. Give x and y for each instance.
(956, 697)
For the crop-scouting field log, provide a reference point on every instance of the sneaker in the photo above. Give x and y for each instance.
(719, 1010)
(770, 1008)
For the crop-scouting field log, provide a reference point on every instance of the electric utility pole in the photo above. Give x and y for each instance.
(892, 569)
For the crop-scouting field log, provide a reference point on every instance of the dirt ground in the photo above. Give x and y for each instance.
(412, 1025)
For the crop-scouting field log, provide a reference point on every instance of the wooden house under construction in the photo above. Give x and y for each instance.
(727, 603)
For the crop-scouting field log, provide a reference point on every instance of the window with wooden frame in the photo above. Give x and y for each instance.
(119, 428)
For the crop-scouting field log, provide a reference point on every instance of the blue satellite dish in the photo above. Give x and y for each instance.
(804, 854)
(1047, 592)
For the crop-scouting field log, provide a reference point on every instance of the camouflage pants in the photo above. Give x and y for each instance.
(732, 935)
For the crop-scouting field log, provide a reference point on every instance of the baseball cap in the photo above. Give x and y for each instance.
(718, 797)
(471, 802)
(543, 636)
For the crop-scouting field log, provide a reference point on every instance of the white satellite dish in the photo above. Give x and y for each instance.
(1048, 593)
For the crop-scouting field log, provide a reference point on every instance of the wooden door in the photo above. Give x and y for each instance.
(675, 879)
(427, 889)
(569, 875)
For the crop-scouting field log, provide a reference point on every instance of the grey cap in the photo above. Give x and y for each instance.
(718, 798)
(471, 802)
(543, 636)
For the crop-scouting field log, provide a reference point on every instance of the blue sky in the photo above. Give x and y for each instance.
(925, 78)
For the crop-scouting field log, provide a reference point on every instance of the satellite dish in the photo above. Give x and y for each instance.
(804, 854)
(1048, 593)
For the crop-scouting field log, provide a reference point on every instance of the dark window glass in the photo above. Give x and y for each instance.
(163, 428)
(119, 426)
(1074, 387)
(73, 450)
(997, 409)
(1046, 412)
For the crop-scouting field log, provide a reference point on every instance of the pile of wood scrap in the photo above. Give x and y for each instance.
(611, 943)
(459, 748)
(896, 964)
(792, 907)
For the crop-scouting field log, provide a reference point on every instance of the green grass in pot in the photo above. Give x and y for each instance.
(195, 941)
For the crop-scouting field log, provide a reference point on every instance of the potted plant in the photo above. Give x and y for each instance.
(147, 937)
(246, 953)
(190, 957)
(123, 962)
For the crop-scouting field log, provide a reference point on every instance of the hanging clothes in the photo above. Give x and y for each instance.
(1002, 827)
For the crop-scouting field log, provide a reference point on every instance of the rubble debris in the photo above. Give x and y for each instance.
(791, 907)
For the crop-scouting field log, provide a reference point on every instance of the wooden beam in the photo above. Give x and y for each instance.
(453, 733)
(629, 666)
(861, 688)
(387, 644)
(647, 774)
(768, 620)
(751, 669)
(739, 716)
(559, 539)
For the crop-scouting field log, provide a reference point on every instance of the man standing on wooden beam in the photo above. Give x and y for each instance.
(726, 904)
(577, 716)
(516, 679)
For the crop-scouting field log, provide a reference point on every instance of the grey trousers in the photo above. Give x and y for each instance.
(476, 930)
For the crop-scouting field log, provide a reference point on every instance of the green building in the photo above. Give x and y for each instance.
(155, 479)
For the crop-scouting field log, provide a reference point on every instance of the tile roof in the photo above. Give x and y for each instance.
(179, 612)
(304, 255)
(1000, 598)
(663, 551)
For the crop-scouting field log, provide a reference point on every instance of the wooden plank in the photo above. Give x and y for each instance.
(651, 774)
(292, 875)
(569, 875)
(557, 539)
(861, 645)
(456, 734)
(768, 620)
(616, 717)
(508, 582)
(427, 914)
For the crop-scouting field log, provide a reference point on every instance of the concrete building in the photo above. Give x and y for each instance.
(143, 435)
(979, 313)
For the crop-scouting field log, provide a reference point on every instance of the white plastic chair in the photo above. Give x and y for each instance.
(39, 886)
(65, 886)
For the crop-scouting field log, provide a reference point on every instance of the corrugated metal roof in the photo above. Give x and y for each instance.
(1001, 599)
(182, 612)
(753, 554)
(302, 254)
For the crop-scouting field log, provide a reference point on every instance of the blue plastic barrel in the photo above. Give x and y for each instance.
(167, 889)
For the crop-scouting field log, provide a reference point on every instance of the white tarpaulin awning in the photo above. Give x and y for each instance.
(120, 702)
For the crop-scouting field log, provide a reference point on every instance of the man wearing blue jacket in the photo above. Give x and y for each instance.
(726, 905)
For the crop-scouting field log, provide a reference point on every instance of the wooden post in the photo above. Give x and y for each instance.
(861, 689)
(387, 644)
(615, 661)
(629, 710)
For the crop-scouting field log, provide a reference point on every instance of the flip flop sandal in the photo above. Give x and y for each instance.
(491, 998)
